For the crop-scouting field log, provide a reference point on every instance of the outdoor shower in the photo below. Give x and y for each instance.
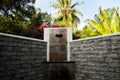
(58, 43)
(58, 65)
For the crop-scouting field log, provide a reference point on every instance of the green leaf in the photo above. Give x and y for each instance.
(97, 26)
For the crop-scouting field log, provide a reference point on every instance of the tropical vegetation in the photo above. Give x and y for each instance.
(15, 16)
(67, 15)
(39, 21)
(107, 21)
(21, 10)
(22, 18)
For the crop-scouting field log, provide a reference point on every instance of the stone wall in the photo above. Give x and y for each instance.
(21, 57)
(97, 58)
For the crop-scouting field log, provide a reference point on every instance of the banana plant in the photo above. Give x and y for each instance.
(106, 21)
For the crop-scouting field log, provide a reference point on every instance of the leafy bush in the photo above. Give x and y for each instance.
(12, 26)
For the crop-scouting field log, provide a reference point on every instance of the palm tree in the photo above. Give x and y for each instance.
(67, 15)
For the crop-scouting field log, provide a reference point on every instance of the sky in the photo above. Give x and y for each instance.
(88, 9)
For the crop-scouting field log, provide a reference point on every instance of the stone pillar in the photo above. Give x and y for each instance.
(58, 43)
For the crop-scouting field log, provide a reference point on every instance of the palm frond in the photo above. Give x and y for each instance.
(55, 5)
(67, 14)
(77, 3)
(76, 19)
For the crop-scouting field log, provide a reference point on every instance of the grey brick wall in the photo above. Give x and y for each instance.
(97, 58)
(20, 58)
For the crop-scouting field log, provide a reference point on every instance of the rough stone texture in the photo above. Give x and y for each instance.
(59, 70)
(20, 58)
(97, 58)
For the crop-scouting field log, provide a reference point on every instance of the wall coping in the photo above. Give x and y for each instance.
(48, 62)
(21, 37)
(101, 36)
(59, 28)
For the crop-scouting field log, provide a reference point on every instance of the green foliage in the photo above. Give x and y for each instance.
(77, 34)
(17, 9)
(67, 15)
(12, 26)
(41, 17)
(38, 22)
(21, 18)
(107, 21)
(16, 16)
